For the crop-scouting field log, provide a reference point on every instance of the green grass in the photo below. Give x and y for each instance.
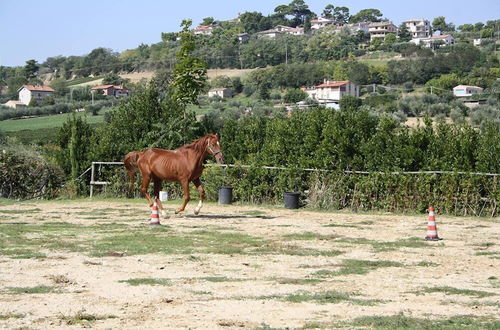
(400, 321)
(78, 81)
(381, 246)
(11, 316)
(147, 281)
(355, 266)
(40, 289)
(427, 264)
(299, 281)
(218, 279)
(45, 122)
(84, 318)
(26, 211)
(448, 290)
(327, 297)
(308, 236)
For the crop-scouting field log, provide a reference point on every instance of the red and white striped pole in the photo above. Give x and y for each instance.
(155, 215)
(432, 234)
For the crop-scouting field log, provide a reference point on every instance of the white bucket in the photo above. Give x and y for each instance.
(163, 196)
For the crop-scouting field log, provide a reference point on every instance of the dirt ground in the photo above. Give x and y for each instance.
(251, 290)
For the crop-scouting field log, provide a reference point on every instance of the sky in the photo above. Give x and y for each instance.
(34, 29)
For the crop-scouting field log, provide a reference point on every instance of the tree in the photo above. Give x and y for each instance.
(487, 33)
(466, 27)
(307, 24)
(190, 73)
(251, 21)
(300, 10)
(403, 33)
(439, 23)
(328, 11)
(208, 21)
(390, 39)
(30, 70)
(294, 95)
(341, 15)
(367, 15)
(113, 79)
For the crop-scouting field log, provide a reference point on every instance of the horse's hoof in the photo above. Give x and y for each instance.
(196, 212)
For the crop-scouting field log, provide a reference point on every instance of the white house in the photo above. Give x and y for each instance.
(464, 90)
(381, 29)
(242, 37)
(419, 28)
(279, 30)
(361, 26)
(28, 92)
(442, 40)
(221, 92)
(332, 91)
(205, 29)
(322, 22)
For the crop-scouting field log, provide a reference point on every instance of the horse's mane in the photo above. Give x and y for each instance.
(199, 145)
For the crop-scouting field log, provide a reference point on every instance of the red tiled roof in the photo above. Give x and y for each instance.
(334, 83)
(37, 88)
(441, 36)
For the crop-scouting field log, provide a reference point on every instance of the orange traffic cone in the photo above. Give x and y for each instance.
(155, 215)
(432, 234)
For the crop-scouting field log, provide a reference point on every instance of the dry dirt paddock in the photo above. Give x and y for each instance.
(73, 264)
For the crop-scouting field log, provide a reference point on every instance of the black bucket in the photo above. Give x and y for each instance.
(225, 195)
(291, 200)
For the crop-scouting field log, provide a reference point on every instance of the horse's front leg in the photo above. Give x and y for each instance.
(144, 188)
(185, 189)
(201, 191)
(157, 188)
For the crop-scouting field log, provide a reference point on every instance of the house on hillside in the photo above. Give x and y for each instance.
(322, 22)
(280, 30)
(361, 26)
(419, 28)
(221, 92)
(29, 92)
(14, 104)
(464, 90)
(332, 91)
(242, 37)
(436, 41)
(111, 90)
(381, 29)
(205, 29)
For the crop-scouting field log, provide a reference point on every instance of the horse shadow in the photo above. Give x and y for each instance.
(213, 216)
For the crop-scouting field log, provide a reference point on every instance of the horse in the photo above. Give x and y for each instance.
(130, 162)
(184, 165)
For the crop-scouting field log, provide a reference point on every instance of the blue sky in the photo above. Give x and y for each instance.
(32, 29)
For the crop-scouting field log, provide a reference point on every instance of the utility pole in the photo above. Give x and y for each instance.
(286, 52)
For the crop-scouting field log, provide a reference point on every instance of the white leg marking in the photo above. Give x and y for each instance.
(198, 208)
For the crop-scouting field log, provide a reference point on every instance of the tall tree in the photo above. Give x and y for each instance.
(403, 33)
(208, 21)
(30, 70)
(328, 11)
(300, 10)
(341, 15)
(251, 21)
(439, 23)
(367, 15)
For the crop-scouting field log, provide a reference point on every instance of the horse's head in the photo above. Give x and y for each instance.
(213, 148)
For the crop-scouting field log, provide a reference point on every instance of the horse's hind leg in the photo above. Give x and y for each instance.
(144, 188)
(201, 191)
(185, 189)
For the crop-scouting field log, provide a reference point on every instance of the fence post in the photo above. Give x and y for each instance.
(92, 180)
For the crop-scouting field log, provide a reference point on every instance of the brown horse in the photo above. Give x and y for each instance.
(130, 162)
(184, 164)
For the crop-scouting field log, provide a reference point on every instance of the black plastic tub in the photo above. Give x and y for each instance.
(291, 200)
(225, 195)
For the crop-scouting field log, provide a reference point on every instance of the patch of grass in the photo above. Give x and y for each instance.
(22, 254)
(147, 281)
(60, 279)
(26, 211)
(40, 289)
(220, 279)
(340, 225)
(328, 297)
(490, 254)
(308, 236)
(11, 316)
(413, 242)
(456, 291)
(355, 266)
(401, 321)
(81, 317)
(427, 264)
(298, 281)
